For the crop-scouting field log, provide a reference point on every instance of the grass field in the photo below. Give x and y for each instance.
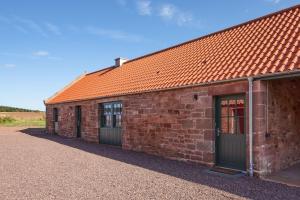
(11, 122)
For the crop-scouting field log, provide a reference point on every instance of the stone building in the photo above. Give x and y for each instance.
(230, 99)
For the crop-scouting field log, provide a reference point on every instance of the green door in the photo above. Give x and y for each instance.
(78, 121)
(230, 132)
(110, 120)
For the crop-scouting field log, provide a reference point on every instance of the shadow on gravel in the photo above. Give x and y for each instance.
(244, 186)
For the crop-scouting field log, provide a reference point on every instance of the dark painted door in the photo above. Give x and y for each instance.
(230, 132)
(78, 121)
(55, 120)
(110, 120)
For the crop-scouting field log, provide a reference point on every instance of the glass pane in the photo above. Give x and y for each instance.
(103, 120)
(114, 120)
(240, 103)
(231, 107)
(231, 123)
(224, 108)
(224, 125)
(240, 123)
(118, 120)
(108, 121)
(117, 108)
(240, 107)
(107, 109)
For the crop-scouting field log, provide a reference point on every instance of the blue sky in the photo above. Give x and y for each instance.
(46, 44)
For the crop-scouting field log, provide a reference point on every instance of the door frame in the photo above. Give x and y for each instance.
(217, 103)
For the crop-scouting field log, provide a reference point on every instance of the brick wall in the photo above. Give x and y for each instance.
(176, 124)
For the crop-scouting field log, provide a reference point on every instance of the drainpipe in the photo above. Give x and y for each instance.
(250, 80)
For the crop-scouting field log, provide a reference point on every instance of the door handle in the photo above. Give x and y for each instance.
(218, 132)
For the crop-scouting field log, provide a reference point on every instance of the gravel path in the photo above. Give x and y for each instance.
(34, 165)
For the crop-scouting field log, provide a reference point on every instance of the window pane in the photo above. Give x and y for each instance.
(118, 120)
(224, 125)
(114, 120)
(117, 108)
(111, 114)
(240, 125)
(231, 123)
(231, 107)
(107, 109)
(108, 121)
(103, 121)
(224, 108)
(240, 107)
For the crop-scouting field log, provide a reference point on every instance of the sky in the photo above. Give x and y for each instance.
(44, 45)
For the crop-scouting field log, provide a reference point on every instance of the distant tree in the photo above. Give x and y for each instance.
(13, 109)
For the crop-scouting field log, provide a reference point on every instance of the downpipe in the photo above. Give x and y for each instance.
(250, 80)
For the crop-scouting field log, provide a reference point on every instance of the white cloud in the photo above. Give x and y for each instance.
(31, 25)
(26, 26)
(41, 53)
(184, 18)
(114, 34)
(144, 7)
(53, 28)
(170, 12)
(34, 55)
(20, 28)
(9, 65)
(273, 1)
(167, 11)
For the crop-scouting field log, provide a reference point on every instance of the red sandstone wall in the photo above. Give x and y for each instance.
(277, 145)
(171, 124)
(284, 122)
(261, 155)
(168, 123)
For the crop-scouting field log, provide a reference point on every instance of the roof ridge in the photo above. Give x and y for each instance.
(100, 70)
(217, 32)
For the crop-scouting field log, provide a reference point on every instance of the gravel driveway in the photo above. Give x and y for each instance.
(34, 165)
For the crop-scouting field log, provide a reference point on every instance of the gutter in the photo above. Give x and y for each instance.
(250, 80)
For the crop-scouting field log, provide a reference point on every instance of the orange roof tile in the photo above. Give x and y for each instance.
(269, 44)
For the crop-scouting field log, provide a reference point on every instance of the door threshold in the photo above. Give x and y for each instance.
(227, 171)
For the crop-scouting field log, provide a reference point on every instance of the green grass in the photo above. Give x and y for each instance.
(10, 122)
(14, 109)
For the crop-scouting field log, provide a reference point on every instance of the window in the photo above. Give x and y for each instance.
(233, 116)
(55, 114)
(111, 114)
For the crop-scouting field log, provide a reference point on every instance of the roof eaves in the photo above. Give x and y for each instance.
(46, 101)
(292, 73)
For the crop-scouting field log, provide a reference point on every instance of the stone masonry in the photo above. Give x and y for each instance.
(179, 124)
(176, 124)
(276, 125)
